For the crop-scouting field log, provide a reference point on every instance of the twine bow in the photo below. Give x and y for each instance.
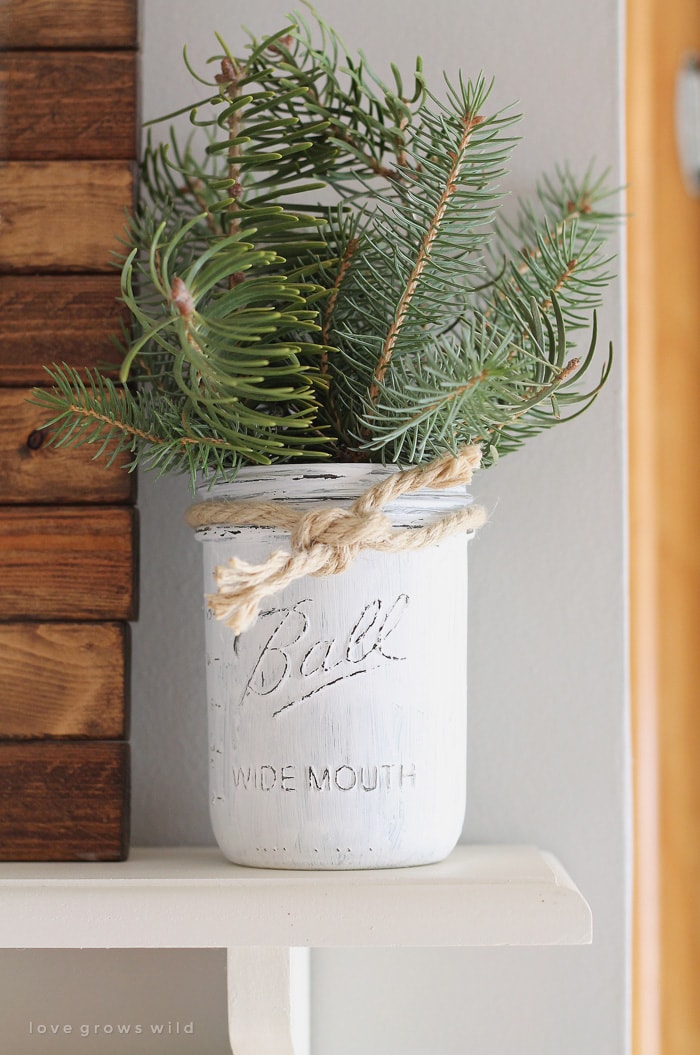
(327, 541)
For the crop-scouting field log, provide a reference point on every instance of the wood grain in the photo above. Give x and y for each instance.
(664, 321)
(63, 215)
(67, 563)
(64, 801)
(73, 24)
(36, 472)
(67, 143)
(63, 680)
(68, 104)
(57, 318)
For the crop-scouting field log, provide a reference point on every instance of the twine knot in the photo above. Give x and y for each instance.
(327, 541)
(339, 535)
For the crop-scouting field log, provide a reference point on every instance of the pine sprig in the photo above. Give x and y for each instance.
(358, 125)
(86, 407)
(560, 248)
(447, 399)
(420, 254)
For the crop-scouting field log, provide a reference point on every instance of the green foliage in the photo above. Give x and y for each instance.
(320, 271)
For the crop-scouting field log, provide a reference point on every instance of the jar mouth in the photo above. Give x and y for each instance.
(294, 473)
(306, 486)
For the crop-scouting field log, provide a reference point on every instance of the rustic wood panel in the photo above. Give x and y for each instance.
(64, 801)
(35, 472)
(63, 215)
(67, 143)
(69, 104)
(63, 681)
(68, 23)
(57, 318)
(67, 563)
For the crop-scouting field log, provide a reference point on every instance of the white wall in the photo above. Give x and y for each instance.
(548, 749)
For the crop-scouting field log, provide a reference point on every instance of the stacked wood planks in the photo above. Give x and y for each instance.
(68, 117)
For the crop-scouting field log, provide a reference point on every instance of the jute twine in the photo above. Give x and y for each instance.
(326, 541)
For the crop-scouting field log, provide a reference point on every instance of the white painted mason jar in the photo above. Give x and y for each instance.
(337, 722)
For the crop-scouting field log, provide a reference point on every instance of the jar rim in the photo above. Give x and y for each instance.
(310, 484)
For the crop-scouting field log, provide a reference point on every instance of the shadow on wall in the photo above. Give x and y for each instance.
(168, 707)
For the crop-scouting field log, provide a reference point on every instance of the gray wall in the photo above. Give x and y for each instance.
(548, 739)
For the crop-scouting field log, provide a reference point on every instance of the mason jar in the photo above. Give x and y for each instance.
(337, 722)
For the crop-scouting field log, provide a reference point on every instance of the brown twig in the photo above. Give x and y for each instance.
(149, 437)
(376, 166)
(401, 159)
(575, 212)
(459, 391)
(561, 281)
(350, 250)
(547, 302)
(229, 79)
(423, 256)
(122, 425)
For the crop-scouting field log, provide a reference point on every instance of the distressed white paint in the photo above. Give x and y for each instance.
(337, 723)
(268, 1001)
(193, 898)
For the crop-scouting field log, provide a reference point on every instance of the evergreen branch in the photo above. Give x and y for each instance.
(477, 388)
(158, 430)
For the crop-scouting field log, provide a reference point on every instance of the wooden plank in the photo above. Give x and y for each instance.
(69, 104)
(64, 801)
(35, 472)
(77, 24)
(67, 563)
(64, 215)
(63, 681)
(57, 318)
(664, 278)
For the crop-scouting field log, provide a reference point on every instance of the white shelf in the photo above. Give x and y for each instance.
(193, 898)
